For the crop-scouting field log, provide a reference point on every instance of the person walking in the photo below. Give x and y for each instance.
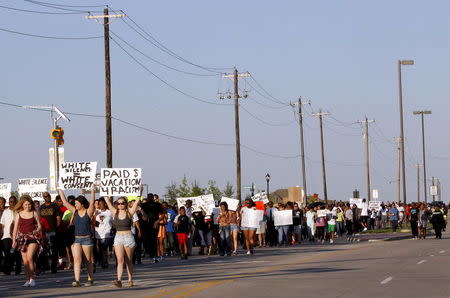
(310, 223)
(83, 247)
(340, 219)
(423, 220)
(224, 221)
(321, 223)
(438, 222)
(183, 226)
(414, 220)
(103, 233)
(27, 236)
(249, 232)
(349, 221)
(297, 215)
(393, 217)
(12, 257)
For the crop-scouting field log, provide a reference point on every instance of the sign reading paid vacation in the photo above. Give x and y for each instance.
(120, 182)
(34, 187)
(77, 175)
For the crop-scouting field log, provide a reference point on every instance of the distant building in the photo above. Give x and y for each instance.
(284, 195)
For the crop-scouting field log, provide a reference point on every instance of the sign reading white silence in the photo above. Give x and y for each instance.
(232, 203)
(283, 218)
(120, 182)
(77, 175)
(5, 190)
(34, 187)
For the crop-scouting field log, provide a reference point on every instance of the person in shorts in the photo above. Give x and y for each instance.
(183, 226)
(249, 232)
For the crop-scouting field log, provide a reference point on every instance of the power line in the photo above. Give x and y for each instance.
(49, 37)
(266, 122)
(40, 12)
(158, 62)
(62, 7)
(164, 81)
(65, 5)
(274, 99)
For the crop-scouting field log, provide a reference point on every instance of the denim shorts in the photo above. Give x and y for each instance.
(234, 227)
(86, 241)
(126, 240)
(248, 229)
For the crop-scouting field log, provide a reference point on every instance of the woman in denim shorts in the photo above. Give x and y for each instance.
(249, 232)
(84, 244)
(124, 240)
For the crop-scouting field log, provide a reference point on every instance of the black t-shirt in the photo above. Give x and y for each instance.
(48, 214)
(183, 225)
(297, 217)
(414, 214)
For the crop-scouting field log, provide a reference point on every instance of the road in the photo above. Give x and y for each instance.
(403, 268)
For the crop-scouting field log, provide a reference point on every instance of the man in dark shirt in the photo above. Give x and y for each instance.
(2, 207)
(150, 214)
(51, 219)
(414, 220)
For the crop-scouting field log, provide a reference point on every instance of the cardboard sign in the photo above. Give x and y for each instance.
(232, 203)
(34, 187)
(374, 205)
(205, 201)
(5, 190)
(357, 202)
(262, 196)
(120, 182)
(251, 218)
(322, 213)
(77, 175)
(283, 218)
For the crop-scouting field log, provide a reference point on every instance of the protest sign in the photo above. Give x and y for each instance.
(322, 213)
(374, 205)
(357, 202)
(181, 202)
(77, 175)
(34, 187)
(206, 202)
(232, 203)
(282, 218)
(5, 190)
(251, 218)
(120, 182)
(261, 196)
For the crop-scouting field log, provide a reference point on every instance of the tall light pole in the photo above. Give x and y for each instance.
(402, 135)
(421, 113)
(324, 174)
(267, 187)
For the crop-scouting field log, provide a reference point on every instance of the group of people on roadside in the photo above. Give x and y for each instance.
(74, 232)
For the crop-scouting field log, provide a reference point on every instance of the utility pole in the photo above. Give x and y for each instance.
(324, 174)
(402, 135)
(399, 168)
(432, 183)
(106, 16)
(236, 77)
(421, 113)
(366, 138)
(302, 146)
(418, 182)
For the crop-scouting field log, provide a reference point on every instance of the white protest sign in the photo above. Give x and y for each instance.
(375, 193)
(181, 202)
(77, 175)
(232, 203)
(206, 202)
(322, 213)
(251, 218)
(34, 187)
(120, 181)
(374, 205)
(282, 218)
(357, 202)
(5, 190)
(262, 196)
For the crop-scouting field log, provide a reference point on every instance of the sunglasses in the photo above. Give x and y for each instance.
(122, 203)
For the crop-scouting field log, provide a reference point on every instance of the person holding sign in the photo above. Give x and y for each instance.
(247, 217)
(124, 243)
(84, 243)
(27, 236)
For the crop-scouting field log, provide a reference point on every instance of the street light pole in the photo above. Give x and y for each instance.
(402, 135)
(421, 113)
(267, 186)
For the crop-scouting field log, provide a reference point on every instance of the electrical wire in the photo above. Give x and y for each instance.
(266, 122)
(49, 37)
(158, 62)
(65, 5)
(164, 81)
(40, 12)
(61, 7)
(274, 99)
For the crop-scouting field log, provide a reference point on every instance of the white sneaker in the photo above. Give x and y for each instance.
(331, 241)
(365, 229)
(248, 252)
(27, 284)
(32, 283)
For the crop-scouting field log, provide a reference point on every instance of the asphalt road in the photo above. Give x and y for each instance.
(404, 268)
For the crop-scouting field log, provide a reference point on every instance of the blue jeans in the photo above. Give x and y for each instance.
(225, 240)
(282, 234)
(340, 227)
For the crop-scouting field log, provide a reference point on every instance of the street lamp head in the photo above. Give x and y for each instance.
(422, 112)
(267, 177)
(406, 62)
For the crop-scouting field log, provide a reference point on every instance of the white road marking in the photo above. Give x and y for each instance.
(386, 280)
(432, 256)
(421, 262)
(442, 251)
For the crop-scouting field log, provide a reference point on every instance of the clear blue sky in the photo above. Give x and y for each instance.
(341, 55)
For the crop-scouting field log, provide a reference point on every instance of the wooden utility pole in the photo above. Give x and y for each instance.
(106, 16)
(366, 139)
(235, 77)
(324, 174)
